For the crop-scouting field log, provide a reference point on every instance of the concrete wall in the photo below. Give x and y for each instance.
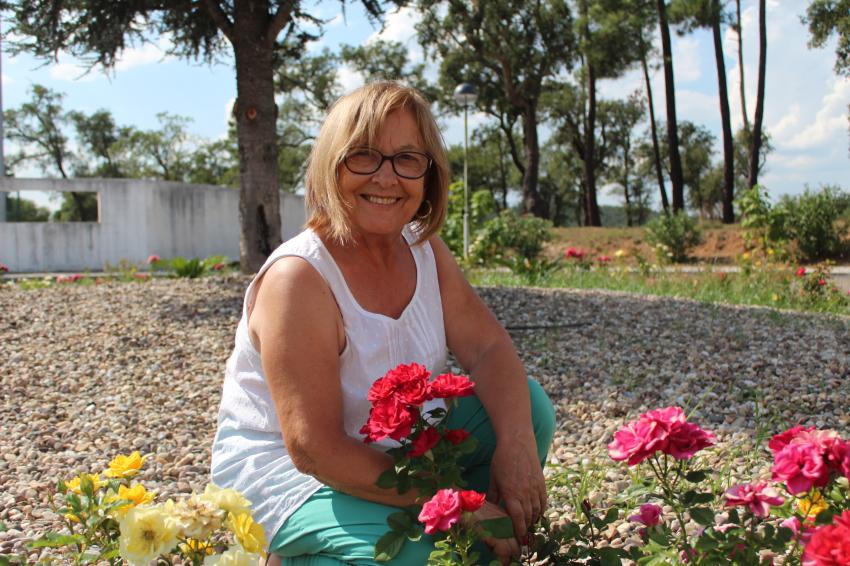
(136, 218)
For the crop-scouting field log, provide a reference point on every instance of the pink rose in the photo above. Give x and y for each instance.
(456, 436)
(603, 259)
(389, 418)
(649, 515)
(758, 497)
(838, 458)
(781, 440)
(686, 439)
(800, 466)
(830, 544)
(406, 384)
(424, 441)
(441, 511)
(471, 501)
(449, 385)
(637, 441)
(801, 272)
(153, 258)
(4, 268)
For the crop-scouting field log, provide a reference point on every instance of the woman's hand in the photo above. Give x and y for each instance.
(516, 481)
(505, 549)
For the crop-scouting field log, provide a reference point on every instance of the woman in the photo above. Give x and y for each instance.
(366, 286)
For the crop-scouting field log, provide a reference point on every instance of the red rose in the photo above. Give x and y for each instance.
(830, 544)
(449, 385)
(389, 418)
(471, 500)
(407, 384)
(424, 441)
(821, 282)
(456, 436)
(783, 439)
(801, 272)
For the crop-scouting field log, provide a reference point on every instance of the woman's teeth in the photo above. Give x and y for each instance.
(380, 200)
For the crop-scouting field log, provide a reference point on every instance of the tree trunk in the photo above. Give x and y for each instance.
(256, 118)
(728, 148)
(532, 201)
(755, 148)
(592, 208)
(656, 152)
(741, 67)
(676, 180)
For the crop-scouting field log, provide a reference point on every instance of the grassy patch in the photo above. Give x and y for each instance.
(769, 287)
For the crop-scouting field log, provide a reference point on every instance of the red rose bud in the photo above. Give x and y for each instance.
(456, 436)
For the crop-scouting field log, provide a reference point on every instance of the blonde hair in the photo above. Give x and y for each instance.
(355, 120)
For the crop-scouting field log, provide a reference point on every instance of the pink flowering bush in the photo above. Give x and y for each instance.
(800, 513)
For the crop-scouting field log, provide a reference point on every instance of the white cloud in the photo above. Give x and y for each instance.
(68, 68)
(348, 78)
(400, 26)
(228, 112)
(686, 60)
(829, 121)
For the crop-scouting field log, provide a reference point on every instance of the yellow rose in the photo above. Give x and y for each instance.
(195, 517)
(146, 533)
(137, 495)
(232, 557)
(193, 546)
(71, 517)
(125, 466)
(620, 253)
(774, 297)
(811, 506)
(228, 499)
(248, 532)
(73, 485)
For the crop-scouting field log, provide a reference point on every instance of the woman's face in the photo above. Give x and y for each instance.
(381, 203)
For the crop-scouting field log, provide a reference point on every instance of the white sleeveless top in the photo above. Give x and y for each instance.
(248, 452)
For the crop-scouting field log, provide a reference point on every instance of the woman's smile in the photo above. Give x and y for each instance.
(380, 200)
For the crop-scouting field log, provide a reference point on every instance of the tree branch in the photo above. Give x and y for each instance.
(220, 18)
(282, 17)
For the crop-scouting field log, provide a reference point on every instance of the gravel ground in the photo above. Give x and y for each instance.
(90, 372)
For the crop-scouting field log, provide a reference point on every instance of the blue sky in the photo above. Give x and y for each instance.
(805, 111)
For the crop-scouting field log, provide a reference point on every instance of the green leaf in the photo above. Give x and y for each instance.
(399, 521)
(702, 515)
(388, 546)
(657, 536)
(825, 517)
(387, 479)
(468, 445)
(703, 498)
(55, 540)
(498, 528)
(609, 557)
(695, 476)
(612, 515)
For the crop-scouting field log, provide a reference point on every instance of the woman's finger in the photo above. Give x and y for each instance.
(518, 515)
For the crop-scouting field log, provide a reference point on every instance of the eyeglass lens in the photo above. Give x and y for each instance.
(409, 164)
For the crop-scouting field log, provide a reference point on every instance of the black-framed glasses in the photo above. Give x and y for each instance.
(406, 164)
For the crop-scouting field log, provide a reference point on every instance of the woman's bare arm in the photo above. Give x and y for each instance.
(295, 323)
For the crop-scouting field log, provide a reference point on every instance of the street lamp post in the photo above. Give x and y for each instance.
(466, 96)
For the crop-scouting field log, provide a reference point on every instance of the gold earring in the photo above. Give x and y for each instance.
(424, 217)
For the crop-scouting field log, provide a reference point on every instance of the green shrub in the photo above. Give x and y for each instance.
(482, 207)
(673, 235)
(811, 221)
(532, 271)
(763, 225)
(510, 235)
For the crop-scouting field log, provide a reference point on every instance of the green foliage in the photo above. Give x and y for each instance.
(811, 221)
(532, 270)
(482, 207)
(24, 210)
(673, 235)
(510, 234)
(826, 18)
(191, 268)
(764, 226)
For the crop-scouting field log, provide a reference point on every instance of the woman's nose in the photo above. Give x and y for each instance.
(385, 175)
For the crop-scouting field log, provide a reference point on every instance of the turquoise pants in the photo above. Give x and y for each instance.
(333, 528)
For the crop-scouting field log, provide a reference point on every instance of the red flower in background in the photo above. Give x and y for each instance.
(758, 497)
(449, 385)
(153, 258)
(801, 272)
(4, 268)
(574, 253)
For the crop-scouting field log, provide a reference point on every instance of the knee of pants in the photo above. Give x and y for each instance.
(542, 417)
